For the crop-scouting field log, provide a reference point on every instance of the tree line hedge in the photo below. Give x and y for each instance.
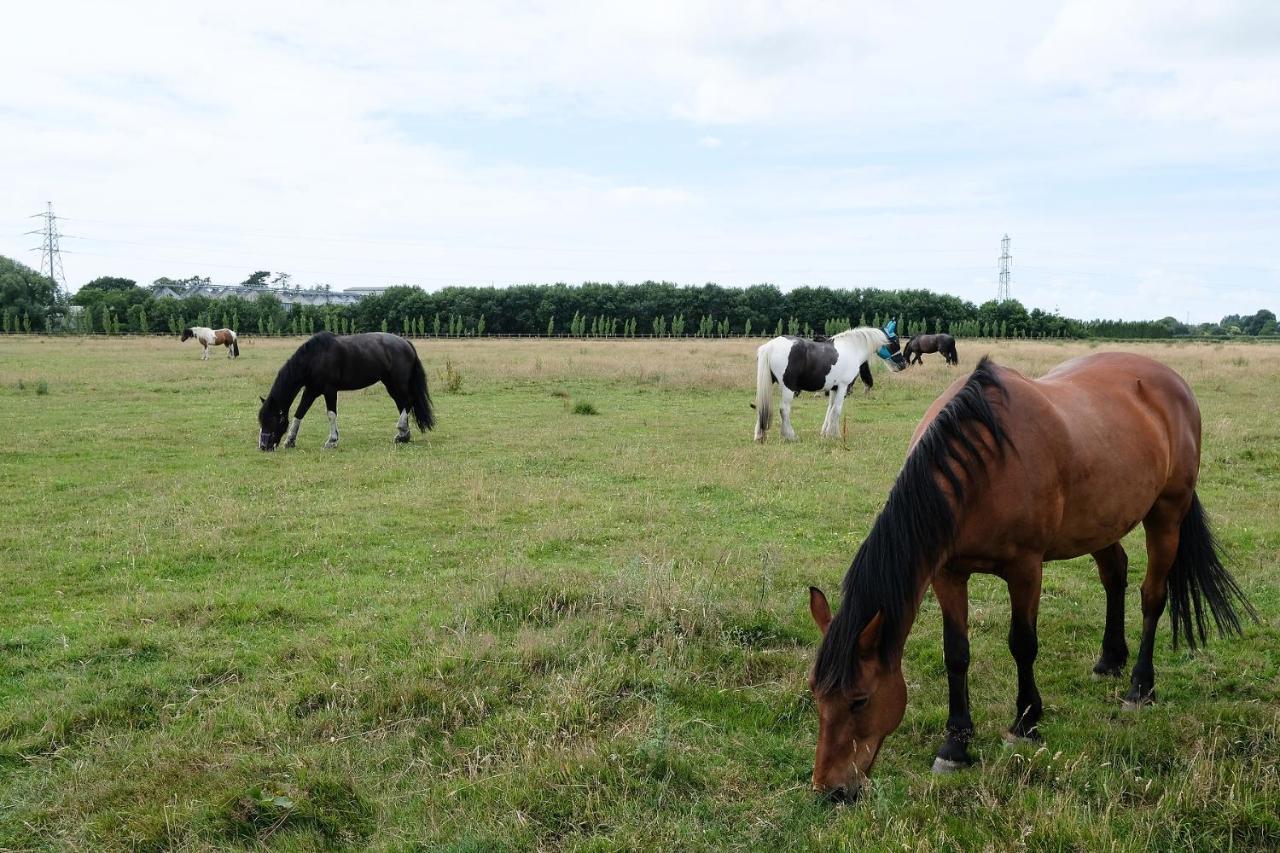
(29, 303)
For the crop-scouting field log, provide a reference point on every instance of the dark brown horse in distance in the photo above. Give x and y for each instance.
(941, 342)
(1003, 474)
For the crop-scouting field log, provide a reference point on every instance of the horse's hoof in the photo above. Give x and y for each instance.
(1012, 739)
(402, 439)
(1104, 674)
(330, 445)
(1136, 704)
(943, 766)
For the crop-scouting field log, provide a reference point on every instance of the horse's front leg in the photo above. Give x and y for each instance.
(1024, 600)
(951, 588)
(1113, 569)
(837, 407)
(829, 420)
(308, 397)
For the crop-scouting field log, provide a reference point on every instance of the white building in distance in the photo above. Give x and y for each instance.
(287, 296)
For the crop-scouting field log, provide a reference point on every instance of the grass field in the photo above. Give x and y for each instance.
(534, 628)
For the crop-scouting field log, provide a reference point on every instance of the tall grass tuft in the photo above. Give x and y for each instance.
(452, 377)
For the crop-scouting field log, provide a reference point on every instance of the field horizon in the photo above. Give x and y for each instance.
(574, 616)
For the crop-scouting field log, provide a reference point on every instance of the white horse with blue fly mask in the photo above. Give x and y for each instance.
(831, 365)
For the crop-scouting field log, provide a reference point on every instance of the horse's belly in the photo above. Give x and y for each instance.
(1101, 514)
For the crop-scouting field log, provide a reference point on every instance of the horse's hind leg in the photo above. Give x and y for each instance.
(1162, 547)
(1113, 570)
(784, 411)
(401, 400)
(1024, 598)
(331, 406)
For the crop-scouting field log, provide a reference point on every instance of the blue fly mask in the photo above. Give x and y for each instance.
(891, 331)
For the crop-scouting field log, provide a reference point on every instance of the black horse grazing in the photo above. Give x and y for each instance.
(327, 364)
(942, 343)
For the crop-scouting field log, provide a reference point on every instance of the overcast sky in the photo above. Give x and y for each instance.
(1130, 149)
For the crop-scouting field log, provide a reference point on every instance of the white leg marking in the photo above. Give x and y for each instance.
(333, 430)
(292, 435)
(784, 408)
(829, 422)
(839, 391)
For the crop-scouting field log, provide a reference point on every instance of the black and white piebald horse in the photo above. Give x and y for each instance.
(327, 364)
(829, 365)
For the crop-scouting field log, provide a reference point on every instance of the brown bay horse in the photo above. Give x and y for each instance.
(1003, 474)
(941, 343)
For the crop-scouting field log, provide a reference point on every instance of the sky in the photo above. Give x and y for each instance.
(1131, 150)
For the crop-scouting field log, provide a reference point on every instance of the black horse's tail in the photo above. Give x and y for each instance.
(420, 398)
(235, 345)
(1198, 577)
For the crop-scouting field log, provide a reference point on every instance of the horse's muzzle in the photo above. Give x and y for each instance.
(267, 441)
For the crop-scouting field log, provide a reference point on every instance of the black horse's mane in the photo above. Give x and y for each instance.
(295, 372)
(917, 524)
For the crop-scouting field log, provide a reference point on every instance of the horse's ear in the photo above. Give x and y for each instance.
(819, 609)
(263, 399)
(869, 639)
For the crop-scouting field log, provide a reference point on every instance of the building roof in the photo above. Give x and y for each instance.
(287, 296)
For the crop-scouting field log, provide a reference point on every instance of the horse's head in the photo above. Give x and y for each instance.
(891, 352)
(855, 717)
(273, 420)
(187, 333)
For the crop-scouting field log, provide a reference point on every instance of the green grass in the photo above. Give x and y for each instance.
(535, 630)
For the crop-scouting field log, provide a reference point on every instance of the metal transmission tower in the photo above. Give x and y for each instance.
(1006, 260)
(50, 253)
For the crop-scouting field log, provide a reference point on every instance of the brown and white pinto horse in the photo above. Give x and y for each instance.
(1003, 474)
(213, 338)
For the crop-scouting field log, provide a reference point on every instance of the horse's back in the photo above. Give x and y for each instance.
(1094, 444)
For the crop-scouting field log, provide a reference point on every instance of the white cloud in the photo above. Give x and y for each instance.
(874, 144)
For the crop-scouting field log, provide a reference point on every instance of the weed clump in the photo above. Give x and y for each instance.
(585, 407)
(452, 377)
(331, 808)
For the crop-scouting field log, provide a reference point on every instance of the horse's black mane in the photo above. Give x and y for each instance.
(295, 372)
(917, 524)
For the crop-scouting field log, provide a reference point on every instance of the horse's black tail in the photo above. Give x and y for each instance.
(1198, 577)
(235, 347)
(420, 398)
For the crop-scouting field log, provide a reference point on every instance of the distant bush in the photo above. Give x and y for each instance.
(42, 387)
(584, 407)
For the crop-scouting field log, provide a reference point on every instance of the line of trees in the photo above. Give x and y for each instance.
(111, 305)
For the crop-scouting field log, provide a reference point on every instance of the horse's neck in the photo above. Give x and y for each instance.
(286, 387)
(855, 347)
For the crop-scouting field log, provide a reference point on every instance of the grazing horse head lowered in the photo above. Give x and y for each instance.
(1002, 475)
(326, 364)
